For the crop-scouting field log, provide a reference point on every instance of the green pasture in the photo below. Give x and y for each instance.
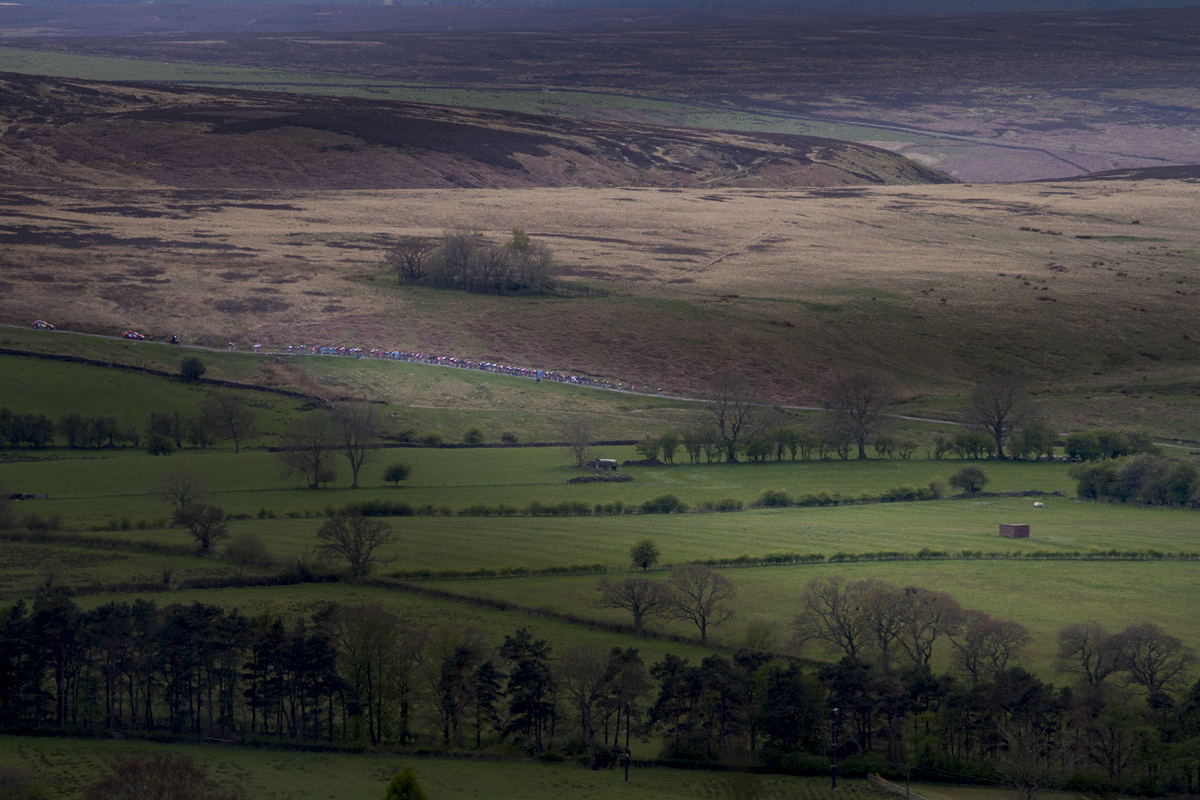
(55, 388)
(67, 765)
(1044, 596)
(532, 101)
(27, 569)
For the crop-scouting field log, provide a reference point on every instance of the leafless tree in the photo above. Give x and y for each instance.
(831, 612)
(1030, 759)
(1153, 658)
(734, 411)
(701, 595)
(181, 488)
(378, 658)
(355, 538)
(860, 402)
(491, 267)
(984, 644)
(164, 776)
(306, 448)
(229, 414)
(205, 523)
(643, 597)
(577, 433)
(929, 615)
(357, 434)
(1000, 406)
(885, 609)
(583, 675)
(410, 257)
(1088, 650)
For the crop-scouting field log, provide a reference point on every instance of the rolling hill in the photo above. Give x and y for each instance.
(62, 132)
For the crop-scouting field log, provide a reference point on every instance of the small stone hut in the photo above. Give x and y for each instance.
(1014, 530)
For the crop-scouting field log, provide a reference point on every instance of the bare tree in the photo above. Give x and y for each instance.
(985, 644)
(583, 675)
(164, 776)
(929, 615)
(306, 446)
(831, 612)
(1030, 760)
(702, 595)
(410, 257)
(643, 597)
(1153, 658)
(206, 524)
(577, 433)
(885, 608)
(734, 411)
(1088, 650)
(181, 488)
(357, 434)
(355, 538)
(1000, 406)
(860, 402)
(229, 414)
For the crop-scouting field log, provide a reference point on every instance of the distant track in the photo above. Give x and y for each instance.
(462, 369)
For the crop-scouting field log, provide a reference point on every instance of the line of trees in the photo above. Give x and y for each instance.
(222, 416)
(363, 675)
(466, 260)
(1144, 478)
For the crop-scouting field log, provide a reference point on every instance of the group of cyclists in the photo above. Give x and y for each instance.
(458, 363)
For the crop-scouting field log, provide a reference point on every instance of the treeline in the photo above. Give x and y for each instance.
(465, 260)
(358, 676)
(1147, 479)
(222, 416)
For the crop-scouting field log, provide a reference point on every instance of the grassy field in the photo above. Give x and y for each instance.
(66, 766)
(1045, 597)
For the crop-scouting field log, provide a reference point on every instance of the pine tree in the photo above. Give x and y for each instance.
(405, 787)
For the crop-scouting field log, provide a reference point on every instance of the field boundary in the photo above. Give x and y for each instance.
(162, 373)
(894, 788)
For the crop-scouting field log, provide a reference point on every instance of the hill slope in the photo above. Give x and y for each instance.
(82, 133)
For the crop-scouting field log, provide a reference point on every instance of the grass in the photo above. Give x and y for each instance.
(90, 486)
(67, 765)
(1045, 597)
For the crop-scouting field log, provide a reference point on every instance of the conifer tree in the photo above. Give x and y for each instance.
(405, 787)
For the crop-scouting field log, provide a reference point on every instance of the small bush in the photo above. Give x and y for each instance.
(969, 479)
(473, 436)
(665, 504)
(191, 368)
(773, 498)
(159, 445)
(729, 504)
(248, 549)
(432, 438)
(508, 437)
(397, 472)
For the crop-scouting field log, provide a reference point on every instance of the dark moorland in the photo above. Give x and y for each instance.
(74, 132)
(1006, 96)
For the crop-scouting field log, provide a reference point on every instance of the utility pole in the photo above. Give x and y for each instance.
(628, 755)
(833, 764)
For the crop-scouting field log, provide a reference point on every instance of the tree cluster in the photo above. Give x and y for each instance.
(221, 416)
(1146, 479)
(692, 592)
(309, 445)
(465, 260)
(361, 674)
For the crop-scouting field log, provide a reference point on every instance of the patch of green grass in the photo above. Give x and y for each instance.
(55, 388)
(1043, 596)
(89, 487)
(67, 765)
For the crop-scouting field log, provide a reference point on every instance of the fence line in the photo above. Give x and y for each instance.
(895, 788)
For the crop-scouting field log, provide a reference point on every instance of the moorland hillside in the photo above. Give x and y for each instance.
(90, 134)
